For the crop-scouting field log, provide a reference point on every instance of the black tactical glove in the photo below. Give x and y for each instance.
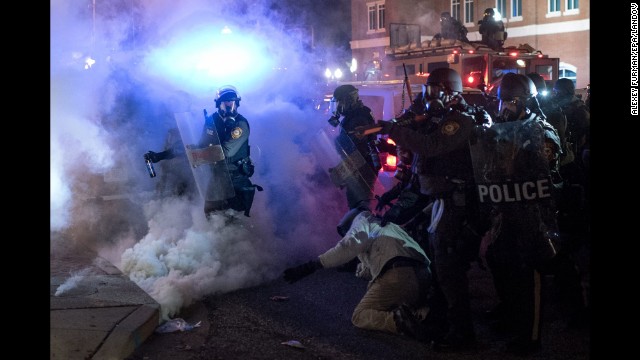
(296, 273)
(386, 126)
(383, 201)
(388, 196)
(155, 157)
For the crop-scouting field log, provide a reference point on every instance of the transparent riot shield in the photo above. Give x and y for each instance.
(347, 167)
(208, 163)
(512, 176)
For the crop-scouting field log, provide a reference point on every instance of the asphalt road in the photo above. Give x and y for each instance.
(251, 324)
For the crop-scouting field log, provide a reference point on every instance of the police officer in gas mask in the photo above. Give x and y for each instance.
(522, 241)
(349, 112)
(445, 173)
(231, 130)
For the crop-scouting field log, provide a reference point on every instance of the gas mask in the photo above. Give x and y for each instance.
(509, 110)
(229, 122)
(227, 108)
(435, 98)
(336, 108)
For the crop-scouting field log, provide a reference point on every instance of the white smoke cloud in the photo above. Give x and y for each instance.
(119, 71)
(73, 281)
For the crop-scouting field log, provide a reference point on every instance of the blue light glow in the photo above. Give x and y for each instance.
(207, 56)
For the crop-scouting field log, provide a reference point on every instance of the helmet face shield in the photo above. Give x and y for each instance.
(228, 108)
(333, 107)
(227, 100)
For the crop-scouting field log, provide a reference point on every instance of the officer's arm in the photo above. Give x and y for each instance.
(453, 133)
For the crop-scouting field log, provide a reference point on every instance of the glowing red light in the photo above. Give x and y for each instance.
(471, 51)
(540, 56)
(470, 79)
(513, 54)
(455, 51)
(391, 161)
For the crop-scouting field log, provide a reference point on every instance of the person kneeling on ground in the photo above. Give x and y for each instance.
(395, 265)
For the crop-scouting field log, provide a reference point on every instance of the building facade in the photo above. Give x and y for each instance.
(557, 28)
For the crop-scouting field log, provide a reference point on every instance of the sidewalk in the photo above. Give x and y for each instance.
(98, 313)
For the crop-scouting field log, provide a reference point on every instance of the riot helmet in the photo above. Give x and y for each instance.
(564, 88)
(345, 98)
(441, 86)
(227, 101)
(514, 92)
(538, 81)
(489, 12)
(445, 16)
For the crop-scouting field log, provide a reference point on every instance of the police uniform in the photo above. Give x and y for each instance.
(234, 139)
(359, 115)
(445, 171)
(522, 246)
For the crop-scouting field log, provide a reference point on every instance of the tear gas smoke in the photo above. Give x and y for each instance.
(119, 71)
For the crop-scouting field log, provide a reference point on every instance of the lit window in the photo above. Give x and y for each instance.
(468, 11)
(376, 15)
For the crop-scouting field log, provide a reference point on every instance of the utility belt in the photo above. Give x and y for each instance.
(451, 188)
(401, 261)
(243, 167)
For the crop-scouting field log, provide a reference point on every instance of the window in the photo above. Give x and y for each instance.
(571, 7)
(546, 71)
(411, 69)
(554, 6)
(455, 9)
(468, 11)
(516, 8)
(501, 6)
(381, 16)
(376, 16)
(568, 74)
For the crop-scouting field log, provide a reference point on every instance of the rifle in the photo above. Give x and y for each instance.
(405, 119)
(407, 84)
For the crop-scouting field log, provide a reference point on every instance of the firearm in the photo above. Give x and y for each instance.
(407, 83)
(406, 119)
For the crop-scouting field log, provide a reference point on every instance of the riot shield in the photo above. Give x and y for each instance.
(208, 163)
(347, 167)
(512, 176)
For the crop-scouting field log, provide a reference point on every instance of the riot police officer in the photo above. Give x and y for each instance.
(444, 170)
(451, 28)
(231, 130)
(348, 112)
(522, 241)
(492, 30)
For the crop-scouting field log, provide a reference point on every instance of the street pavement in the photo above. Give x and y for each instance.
(96, 312)
(106, 316)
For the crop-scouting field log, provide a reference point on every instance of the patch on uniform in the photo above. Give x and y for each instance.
(450, 127)
(236, 133)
